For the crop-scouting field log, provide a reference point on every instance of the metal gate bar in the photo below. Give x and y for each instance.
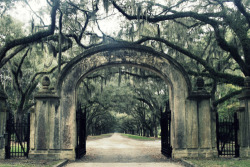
(18, 138)
(166, 148)
(227, 138)
(81, 132)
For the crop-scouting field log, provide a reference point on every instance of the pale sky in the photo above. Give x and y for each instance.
(24, 14)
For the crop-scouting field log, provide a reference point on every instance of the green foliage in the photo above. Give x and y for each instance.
(209, 38)
(229, 107)
(220, 162)
(10, 29)
(131, 97)
(136, 137)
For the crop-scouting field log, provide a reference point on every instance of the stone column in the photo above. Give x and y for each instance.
(3, 119)
(44, 124)
(244, 120)
(203, 143)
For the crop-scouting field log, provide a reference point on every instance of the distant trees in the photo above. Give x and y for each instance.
(127, 100)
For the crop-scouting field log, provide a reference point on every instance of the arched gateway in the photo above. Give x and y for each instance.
(53, 123)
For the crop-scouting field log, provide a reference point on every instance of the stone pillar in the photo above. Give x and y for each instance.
(44, 124)
(244, 120)
(3, 119)
(201, 138)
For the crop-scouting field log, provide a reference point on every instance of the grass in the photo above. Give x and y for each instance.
(27, 163)
(221, 162)
(17, 148)
(136, 137)
(99, 136)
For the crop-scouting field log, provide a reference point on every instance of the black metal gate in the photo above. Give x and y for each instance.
(166, 148)
(227, 138)
(18, 140)
(81, 132)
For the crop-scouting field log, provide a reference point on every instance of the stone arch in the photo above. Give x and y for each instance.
(185, 137)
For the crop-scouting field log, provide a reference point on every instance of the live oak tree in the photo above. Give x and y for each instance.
(209, 38)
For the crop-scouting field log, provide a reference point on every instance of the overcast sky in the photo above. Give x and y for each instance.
(24, 14)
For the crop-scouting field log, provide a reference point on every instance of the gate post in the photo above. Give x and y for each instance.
(205, 123)
(3, 119)
(44, 124)
(244, 120)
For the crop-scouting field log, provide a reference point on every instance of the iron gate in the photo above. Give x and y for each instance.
(81, 132)
(166, 148)
(18, 140)
(227, 138)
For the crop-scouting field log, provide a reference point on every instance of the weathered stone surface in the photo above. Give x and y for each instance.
(45, 125)
(192, 123)
(206, 123)
(205, 139)
(195, 153)
(244, 120)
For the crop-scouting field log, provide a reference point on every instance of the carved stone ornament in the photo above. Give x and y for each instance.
(46, 92)
(200, 83)
(46, 82)
(200, 92)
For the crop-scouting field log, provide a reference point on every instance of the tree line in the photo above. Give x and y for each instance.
(123, 99)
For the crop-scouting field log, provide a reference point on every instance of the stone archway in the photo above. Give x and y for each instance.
(53, 125)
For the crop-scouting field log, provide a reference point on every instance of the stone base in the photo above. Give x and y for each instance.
(245, 152)
(194, 153)
(2, 153)
(52, 154)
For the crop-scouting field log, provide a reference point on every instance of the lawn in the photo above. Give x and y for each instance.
(221, 162)
(99, 136)
(136, 137)
(27, 163)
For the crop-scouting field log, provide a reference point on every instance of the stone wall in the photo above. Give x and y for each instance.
(45, 140)
(244, 120)
(199, 126)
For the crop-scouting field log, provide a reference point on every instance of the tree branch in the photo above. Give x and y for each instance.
(221, 77)
(236, 80)
(202, 17)
(32, 38)
(226, 97)
(205, 18)
(16, 51)
(242, 10)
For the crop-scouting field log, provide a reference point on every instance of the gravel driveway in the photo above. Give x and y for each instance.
(118, 151)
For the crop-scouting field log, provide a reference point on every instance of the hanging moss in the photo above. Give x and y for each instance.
(120, 77)
(106, 5)
(101, 84)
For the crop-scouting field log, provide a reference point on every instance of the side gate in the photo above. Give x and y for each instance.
(18, 140)
(81, 132)
(227, 138)
(166, 148)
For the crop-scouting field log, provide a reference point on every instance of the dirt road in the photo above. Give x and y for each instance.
(118, 151)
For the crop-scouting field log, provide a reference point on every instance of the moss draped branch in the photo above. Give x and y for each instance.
(34, 37)
(236, 80)
(206, 18)
(226, 97)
